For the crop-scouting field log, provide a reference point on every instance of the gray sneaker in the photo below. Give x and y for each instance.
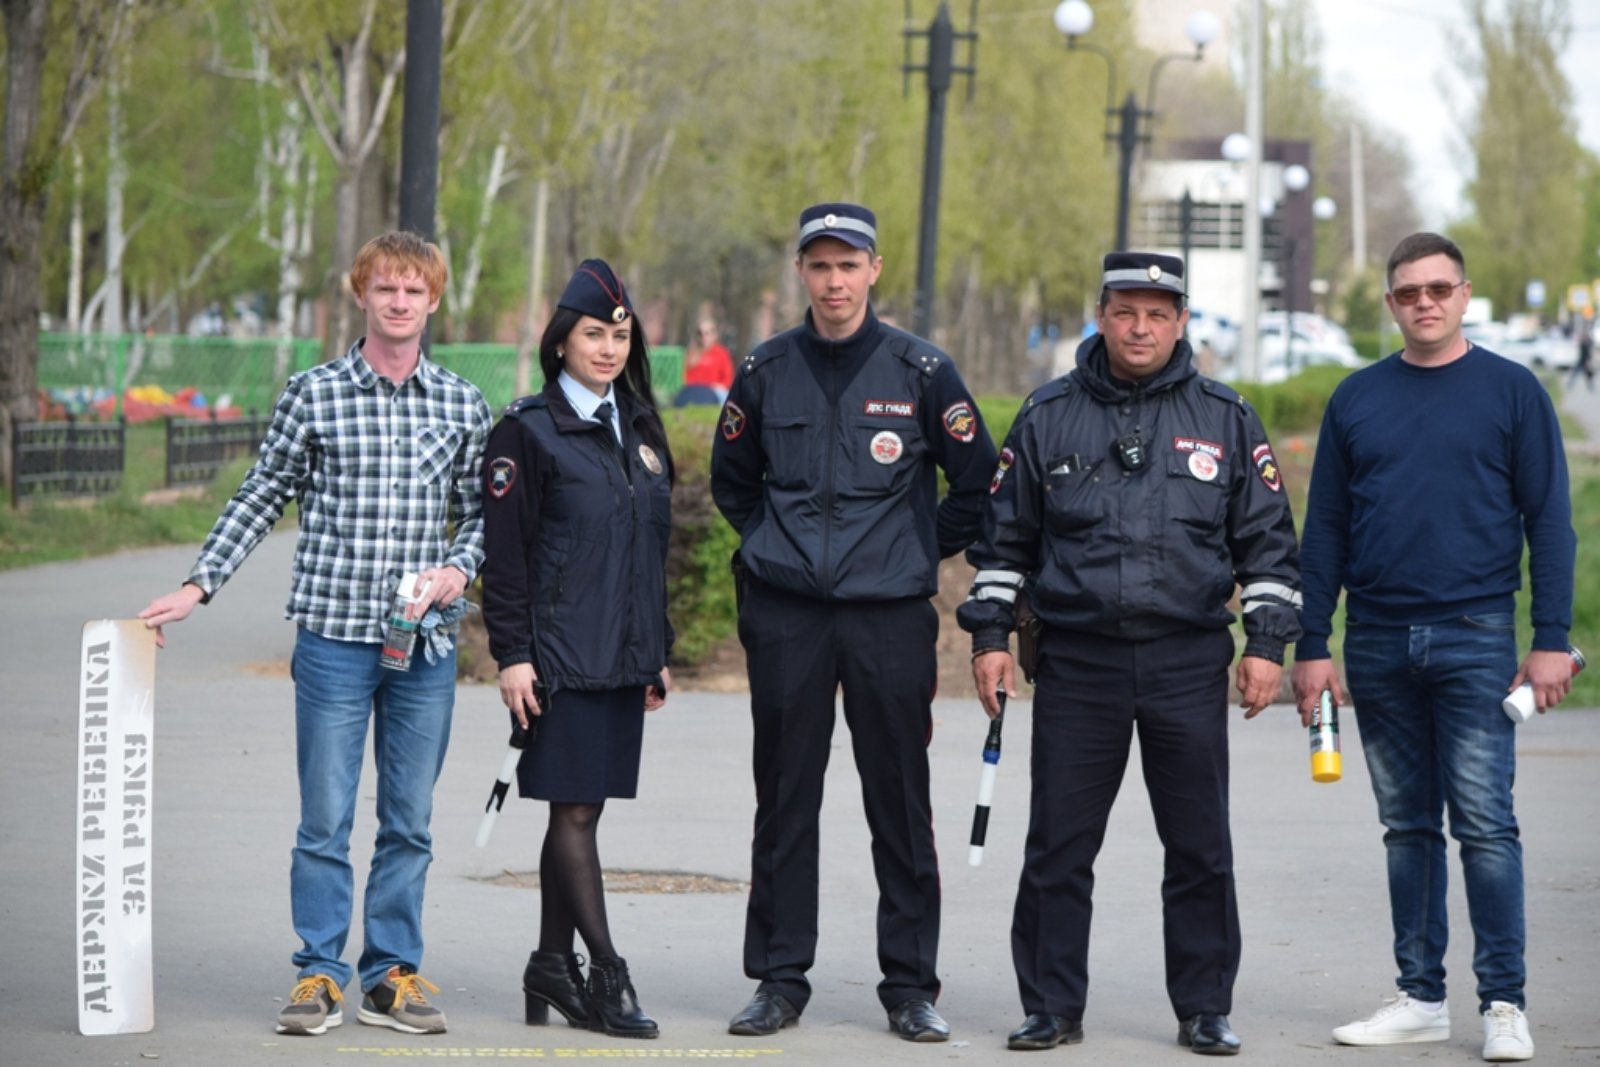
(398, 1003)
(313, 1007)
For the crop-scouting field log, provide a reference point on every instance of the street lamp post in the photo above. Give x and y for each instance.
(940, 69)
(1295, 180)
(1074, 18)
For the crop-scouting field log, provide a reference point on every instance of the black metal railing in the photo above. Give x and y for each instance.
(198, 448)
(69, 458)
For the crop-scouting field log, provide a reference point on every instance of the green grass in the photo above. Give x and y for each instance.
(50, 531)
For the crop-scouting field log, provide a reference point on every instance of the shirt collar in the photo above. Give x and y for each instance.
(582, 400)
(364, 376)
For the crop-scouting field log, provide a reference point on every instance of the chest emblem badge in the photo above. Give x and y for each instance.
(887, 447)
(648, 457)
(1203, 466)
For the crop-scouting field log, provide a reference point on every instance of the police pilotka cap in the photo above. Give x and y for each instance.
(595, 290)
(850, 223)
(1142, 270)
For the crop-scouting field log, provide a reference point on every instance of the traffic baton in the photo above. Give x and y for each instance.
(991, 763)
(508, 771)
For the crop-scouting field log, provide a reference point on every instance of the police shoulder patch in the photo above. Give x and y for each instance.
(1267, 467)
(733, 421)
(502, 476)
(960, 421)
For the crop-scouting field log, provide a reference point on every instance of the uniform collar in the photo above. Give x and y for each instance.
(582, 400)
(1094, 370)
(863, 340)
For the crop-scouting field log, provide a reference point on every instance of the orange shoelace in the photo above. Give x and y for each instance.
(405, 987)
(306, 989)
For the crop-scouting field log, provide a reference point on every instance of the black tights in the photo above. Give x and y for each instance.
(571, 891)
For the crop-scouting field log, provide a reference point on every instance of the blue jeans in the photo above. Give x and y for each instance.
(1427, 701)
(338, 685)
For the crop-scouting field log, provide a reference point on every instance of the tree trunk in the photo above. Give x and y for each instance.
(75, 246)
(112, 319)
(535, 304)
(24, 170)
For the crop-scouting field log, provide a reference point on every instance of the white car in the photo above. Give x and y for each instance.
(1280, 359)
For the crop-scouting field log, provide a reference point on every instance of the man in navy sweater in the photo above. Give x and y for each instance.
(1432, 467)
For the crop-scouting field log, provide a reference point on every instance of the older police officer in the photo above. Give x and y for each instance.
(826, 462)
(1130, 497)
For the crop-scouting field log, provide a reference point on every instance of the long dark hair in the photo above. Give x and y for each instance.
(635, 377)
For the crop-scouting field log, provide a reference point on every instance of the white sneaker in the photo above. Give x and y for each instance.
(1401, 1021)
(1505, 1033)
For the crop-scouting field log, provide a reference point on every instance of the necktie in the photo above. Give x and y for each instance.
(604, 413)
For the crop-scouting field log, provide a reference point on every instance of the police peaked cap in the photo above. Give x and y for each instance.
(851, 223)
(1142, 270)
(595, 290)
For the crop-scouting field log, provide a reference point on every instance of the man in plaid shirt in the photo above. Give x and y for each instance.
(381, 449)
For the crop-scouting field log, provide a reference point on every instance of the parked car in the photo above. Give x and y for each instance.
(1550, 350)
(1215, 332)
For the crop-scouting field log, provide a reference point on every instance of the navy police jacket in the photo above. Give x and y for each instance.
(1106, 546)
(575, 543)
(826, 462)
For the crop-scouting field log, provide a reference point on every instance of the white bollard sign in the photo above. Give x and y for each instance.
(116, 719)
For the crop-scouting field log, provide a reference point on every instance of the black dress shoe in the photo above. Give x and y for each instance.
(554, 980)
(613, 1005)
(1209, 1034)
(765, 1015)
(1046, 1031)
(915, 1020)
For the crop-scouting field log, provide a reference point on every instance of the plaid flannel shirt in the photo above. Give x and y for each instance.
(378, 471)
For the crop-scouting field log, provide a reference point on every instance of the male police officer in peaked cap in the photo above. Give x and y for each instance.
(1130, 497)
(825, 462)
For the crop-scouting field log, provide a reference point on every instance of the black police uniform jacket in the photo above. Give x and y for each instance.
(1143, 553)
(575, 543)
(826, 460)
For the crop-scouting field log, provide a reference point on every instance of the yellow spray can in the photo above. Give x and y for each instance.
(1326, 762)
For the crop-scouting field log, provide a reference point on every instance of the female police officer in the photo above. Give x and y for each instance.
(577, 508)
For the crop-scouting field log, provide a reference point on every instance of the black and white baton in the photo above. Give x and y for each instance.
(508, 771)
(991, 764)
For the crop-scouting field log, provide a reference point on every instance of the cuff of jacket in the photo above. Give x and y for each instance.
(1265, 648)
(991, 639)
(511, 659)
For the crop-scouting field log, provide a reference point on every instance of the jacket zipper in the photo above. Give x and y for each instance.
(826, 577)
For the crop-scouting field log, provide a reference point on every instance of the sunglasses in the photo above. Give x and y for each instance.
(1407, 295)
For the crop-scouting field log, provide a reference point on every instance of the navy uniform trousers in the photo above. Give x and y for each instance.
(799, 652)
(1092, 692)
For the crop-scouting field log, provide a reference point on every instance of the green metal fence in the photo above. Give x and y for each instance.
(101, 374)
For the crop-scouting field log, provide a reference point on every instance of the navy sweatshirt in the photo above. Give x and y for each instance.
(1425, 483)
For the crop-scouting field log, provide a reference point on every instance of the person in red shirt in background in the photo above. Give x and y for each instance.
(707, 368)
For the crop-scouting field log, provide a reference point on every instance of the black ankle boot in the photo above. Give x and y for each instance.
(613, 1005)
(554, 980)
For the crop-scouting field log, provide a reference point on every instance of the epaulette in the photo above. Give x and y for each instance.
(518, 406)
(764, 354)
(1054, 389)
(1225, 393)
(917, 355)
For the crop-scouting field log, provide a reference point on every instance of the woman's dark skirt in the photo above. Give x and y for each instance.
(586, 748)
